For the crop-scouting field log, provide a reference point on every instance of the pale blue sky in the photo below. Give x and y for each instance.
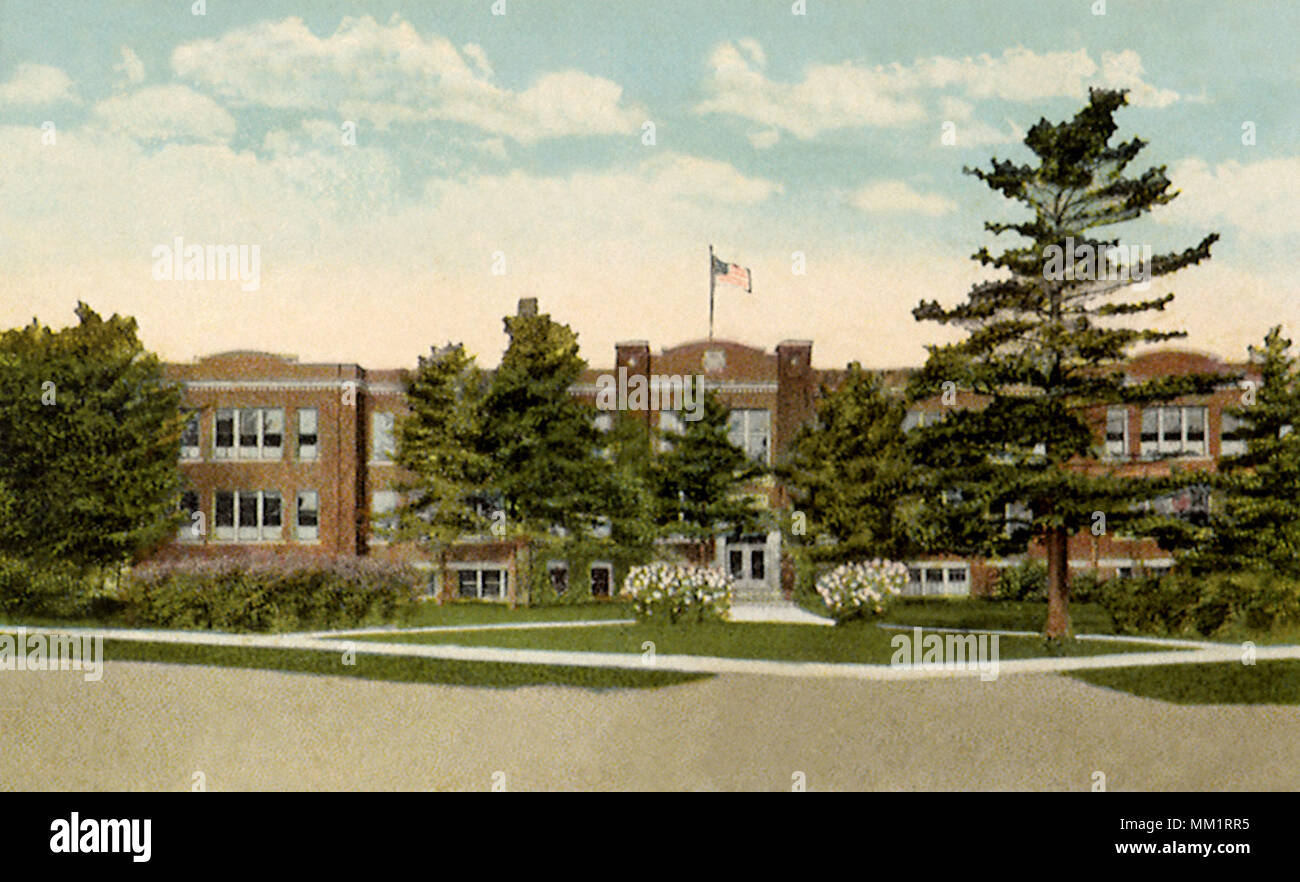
(522, 134)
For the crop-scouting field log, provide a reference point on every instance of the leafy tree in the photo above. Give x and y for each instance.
(698, 482)
(1257, 522)
(89, 441)
(438, 445)
(851, 475)
(541, 442)
(1046, 347)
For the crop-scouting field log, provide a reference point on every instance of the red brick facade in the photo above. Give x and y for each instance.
(256, 478)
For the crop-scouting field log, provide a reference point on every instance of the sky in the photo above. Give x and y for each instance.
(408, 171)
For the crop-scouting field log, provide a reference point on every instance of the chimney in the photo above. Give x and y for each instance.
(795, 384)
(528, 306)
(635, 356)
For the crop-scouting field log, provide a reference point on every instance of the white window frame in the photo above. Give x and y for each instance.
(309, 533)
(1107, 444)
(258, 450)
(186, 532)
(385, 516)
(1176, 417)
(192, 451)
(307, 452)
(551, 567)
(749, 433)
(946, 580)
(241, 532)
(479, 569)
(378, 454)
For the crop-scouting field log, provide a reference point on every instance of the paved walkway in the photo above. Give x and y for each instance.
(684, 663)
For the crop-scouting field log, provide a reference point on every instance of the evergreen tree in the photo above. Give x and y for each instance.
(89, 443)
(438, 444)
(542, 443)
(1257, 519)
(699, 480)
(850, 474)
(1046, 348)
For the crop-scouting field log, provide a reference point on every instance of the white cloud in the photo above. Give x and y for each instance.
(764, 139)
(386, 73)
(130, 67)
(852, 95)
(36, 84)
(163, 113)
(1258, 197)
(893, 197)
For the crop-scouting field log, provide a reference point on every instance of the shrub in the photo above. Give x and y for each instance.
(46, 589)
(861, 590)
(269, 594)
(1204, 605)
(668, 592)
(1026, 580)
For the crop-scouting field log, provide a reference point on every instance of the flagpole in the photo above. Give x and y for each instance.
(710, 292)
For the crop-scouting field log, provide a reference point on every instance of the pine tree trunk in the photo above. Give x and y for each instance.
(1058, 586)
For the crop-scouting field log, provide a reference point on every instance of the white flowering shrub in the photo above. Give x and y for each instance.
(861, 589)
(668, 592)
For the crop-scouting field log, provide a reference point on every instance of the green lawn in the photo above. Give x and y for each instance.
(480, 613)
(857, 642)
(402, 670)
(1267, 682)
(997, 615)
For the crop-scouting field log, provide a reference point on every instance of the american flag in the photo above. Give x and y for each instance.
(732, 274)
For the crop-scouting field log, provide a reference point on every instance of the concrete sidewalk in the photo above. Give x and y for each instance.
(683, 663)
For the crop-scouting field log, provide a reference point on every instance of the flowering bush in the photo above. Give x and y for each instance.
(864, 588)
(666, 592)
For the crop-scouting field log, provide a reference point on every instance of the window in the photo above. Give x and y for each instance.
(1190, 504)
(191, 529)
(307, 422)
(757, 564)
(308, 519)
(938, 578)
(1233, 437)
(482, 583)
(224, 445)
(602, 577)
(558, 571)
(381, 437)
(1173, 431)
(751, 431)
(259, 431)
(670, 423)
(917, 419)
(383, 504)
(248, 515)
(190, 436)
(1117, 433)
(1017, 518)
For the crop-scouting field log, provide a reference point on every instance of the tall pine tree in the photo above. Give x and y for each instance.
(1047, 344)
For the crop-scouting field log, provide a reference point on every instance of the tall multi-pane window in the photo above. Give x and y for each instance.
(1117, 433)
(191, 529)
(381, 437)
(383, 506)
(307, 437)
(248, 515)
(1173, 431)
(1233, 439)
(190, 435)
(257, 433)
(751, 431)
(223, 446)
(308, 518)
